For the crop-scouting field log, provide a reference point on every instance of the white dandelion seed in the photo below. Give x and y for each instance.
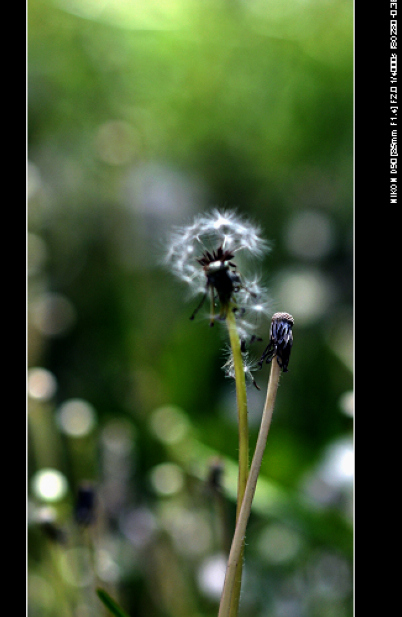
(249, 366)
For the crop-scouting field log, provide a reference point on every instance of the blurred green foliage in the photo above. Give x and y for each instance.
(141, 115)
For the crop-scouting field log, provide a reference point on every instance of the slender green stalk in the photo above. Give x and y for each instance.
(236, 551)
(241, 395)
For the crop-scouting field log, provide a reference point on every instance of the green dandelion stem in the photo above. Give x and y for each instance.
(241, 396)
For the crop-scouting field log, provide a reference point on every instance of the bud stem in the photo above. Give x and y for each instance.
(236, 551)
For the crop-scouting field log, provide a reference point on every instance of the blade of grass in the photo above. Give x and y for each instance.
(110, 604)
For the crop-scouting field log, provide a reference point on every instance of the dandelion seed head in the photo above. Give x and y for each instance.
(236, 236)
(207, 232)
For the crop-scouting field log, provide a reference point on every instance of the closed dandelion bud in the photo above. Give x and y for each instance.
(85, 505)
(281, 341)
(215, 475)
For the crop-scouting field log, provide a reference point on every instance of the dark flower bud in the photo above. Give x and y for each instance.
(215, 475)
(281, 341)
(85, 505)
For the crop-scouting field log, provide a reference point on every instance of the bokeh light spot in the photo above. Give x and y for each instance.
(118, 438)
(310, 235)
(167, 479)
(76, 418)
(307, 294)
(189, 528)
(49, 485)
(106, 566)
(347, 403)
(337, 467)
(53, 314)
(42, 384)
(138, 526)
(169, 424)
(278, 544)
(211, 576)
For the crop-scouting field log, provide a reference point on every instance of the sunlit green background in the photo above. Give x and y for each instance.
(142, 114)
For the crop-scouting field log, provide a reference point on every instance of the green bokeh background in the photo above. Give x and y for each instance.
(140, 116)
